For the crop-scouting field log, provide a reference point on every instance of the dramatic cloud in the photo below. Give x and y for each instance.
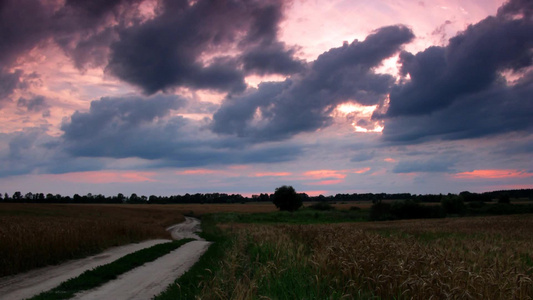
(199, 45)
(303, 103)
(175, 95)
(460, 91)
(143, 128)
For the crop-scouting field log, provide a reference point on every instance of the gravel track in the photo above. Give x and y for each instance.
(150, 279)
(153, 278)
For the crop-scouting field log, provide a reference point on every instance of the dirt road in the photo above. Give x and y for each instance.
(166, 268)
(186, 229)
(151, 278)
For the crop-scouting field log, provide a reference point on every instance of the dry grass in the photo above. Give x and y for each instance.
(35, 235)
(202, 209)
(467, 258)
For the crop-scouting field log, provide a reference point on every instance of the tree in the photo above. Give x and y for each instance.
(17, 196)
(286, 198)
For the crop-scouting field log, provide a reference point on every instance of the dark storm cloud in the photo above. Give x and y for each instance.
(458, 91)
(303, 103)
(168, 51)
(202, 44)
(500, 109)
(110, 115)
(143, 128)
(263, 53)
(28, 24)
(23, 24)
(95, 8)
(271, 59)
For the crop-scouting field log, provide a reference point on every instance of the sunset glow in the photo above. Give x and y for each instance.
(106, 177)
(272, 174)
(494, 174)
(245, 96)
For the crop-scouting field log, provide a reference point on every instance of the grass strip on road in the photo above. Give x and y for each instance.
(188, 285)
(93, 278)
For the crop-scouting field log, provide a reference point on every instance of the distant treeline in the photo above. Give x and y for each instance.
(466, 196)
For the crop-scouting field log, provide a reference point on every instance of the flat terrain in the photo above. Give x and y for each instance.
(28, 284)
(150, 279)
(141, 283)
(453, 258)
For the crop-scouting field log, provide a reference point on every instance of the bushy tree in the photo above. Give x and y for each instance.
(286, 198)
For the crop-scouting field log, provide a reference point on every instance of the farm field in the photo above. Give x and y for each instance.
(454, 258)
(35, 235)
(260, 253)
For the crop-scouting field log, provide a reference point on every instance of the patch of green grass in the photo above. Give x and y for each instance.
(102, 274)
(301, 216)
(187, 285)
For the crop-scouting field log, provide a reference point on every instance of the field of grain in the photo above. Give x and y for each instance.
(34, 235)
(456, 258)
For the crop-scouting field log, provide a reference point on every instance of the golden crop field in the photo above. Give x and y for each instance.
(456, 258)
(36, 235)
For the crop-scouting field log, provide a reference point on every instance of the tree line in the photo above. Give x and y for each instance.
(207, 198)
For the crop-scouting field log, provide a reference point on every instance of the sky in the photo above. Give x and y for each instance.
(165, 97)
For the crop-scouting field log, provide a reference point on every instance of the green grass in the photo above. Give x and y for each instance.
(102, 274)
(187, 285)
(301, 216)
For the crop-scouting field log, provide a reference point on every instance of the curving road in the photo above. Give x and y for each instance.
(141, 283)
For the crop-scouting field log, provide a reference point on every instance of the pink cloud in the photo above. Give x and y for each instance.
(198, 172)
(106, 176)
(272, 174)
(327, 182)
(493, 174)
(389, 159)
(320, 174)
(361, 171)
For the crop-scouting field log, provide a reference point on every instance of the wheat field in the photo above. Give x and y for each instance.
(35, 235)
(464, 258)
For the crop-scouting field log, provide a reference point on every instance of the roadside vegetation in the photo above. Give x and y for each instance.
(458, 258)
(98, 276)
(189, 285)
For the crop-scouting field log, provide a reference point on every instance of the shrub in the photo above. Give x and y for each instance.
(380, 211)
(504, 198)
(322, 206)
(453, 204)
(410, 209)
(286, 198)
